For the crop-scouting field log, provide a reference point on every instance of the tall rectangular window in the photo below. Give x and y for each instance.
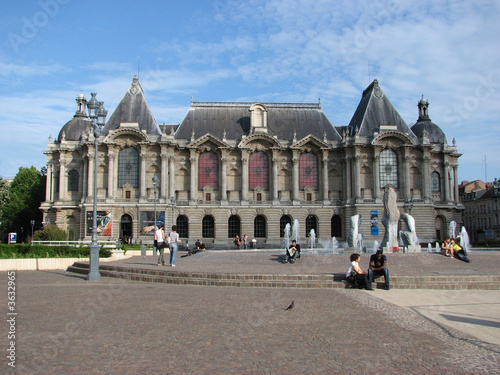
(73, 180)
(308, 171)
(128, 167)
(258, 171)
(208, 171)
(388, 168)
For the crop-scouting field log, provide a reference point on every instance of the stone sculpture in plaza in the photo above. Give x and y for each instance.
(409, 234)
(352, 240)
(390, 218)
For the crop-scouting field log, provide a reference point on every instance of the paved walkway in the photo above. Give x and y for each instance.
(67, 325)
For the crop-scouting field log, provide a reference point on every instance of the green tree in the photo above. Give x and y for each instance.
(4, 192)
(26, 192)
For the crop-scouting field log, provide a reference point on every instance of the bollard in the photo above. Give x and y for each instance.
(143, 250)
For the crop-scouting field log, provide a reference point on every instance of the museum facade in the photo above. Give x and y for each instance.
(250, 168)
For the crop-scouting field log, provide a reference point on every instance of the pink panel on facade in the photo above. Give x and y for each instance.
(258, 171)
(308, 171)
(208, 171)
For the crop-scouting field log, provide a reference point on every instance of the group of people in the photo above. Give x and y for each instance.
(162, 241)
(238, 241)
(377, 268)
(451, 248)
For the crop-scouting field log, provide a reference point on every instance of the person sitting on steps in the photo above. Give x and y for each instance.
(356, 273)
(378, 267)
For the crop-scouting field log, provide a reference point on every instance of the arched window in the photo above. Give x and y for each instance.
(73, 177)
(311, 223)
(208, 171)
(435, 182)
(336, 227)
(388, 168)
(128, 167)
(182, 226)
(208, 227)
(308, 170)
(259, 226)
(284, 220)
(233, 226)
(258, 171)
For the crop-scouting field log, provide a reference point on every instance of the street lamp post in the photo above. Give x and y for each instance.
(156, 181)
(409, 204)
(97, 115)
(32, 222)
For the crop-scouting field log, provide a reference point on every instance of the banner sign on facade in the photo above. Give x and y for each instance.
(147, 219)
(374, 222)
(103, 223)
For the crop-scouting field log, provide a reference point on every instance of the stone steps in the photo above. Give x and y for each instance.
(332, 281)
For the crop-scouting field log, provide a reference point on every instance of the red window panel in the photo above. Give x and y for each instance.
(208, 171)
(308, 171)
(258, 171)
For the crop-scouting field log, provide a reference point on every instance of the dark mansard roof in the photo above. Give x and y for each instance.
(133, 108)
(233, 120)
(374, 110)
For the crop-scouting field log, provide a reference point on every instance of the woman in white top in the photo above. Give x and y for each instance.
(355, 271)
(174, 240)
(160, 243)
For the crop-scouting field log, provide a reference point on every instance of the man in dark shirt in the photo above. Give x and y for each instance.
(292, 253)
(378, 267)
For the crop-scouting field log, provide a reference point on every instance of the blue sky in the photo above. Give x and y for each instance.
(253, 50)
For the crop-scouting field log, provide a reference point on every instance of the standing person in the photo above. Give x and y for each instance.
(237, 241)
(355, 271)
(378, 267)
(174, 240)
(160, 244)
(245, 241)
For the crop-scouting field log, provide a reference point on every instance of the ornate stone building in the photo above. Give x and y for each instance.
(250, 168)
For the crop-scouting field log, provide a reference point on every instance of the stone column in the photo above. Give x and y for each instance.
(406, 176)
(427, 174)
(193, 185)
(63, 178)
(171, 172)
(446, 184)
(295, 176)
(142, 185)
(325, 177)
(275, 161)
(48, 185)
(357, 178)
(163, 173)
(376, 175)
(455, 183)
(244, 175)
(90, 173)
(223, 195)
(348, 178)
(111, 173)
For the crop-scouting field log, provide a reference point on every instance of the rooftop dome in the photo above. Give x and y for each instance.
(78, 125)
(425, 125)
(75, 128)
